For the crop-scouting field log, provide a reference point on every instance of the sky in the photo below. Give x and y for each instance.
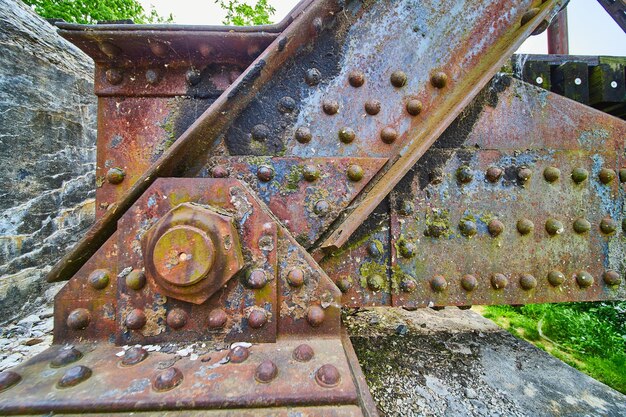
(591, 30)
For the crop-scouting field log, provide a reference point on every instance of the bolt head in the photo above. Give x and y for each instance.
(78, 319)
(581, 226)
(355, 173)
(579, 175)
(525, 226)
(167, 379)
(99, 279)
(193, 76)
(373, 250)
(584, 279)
(407, 249)
(321, 208)
(414, 107)
(315, 316)
(265, 173)
(612, 278)
(388, 135)
(622, 175)
(493, 174)
(499, 281)
(286, 105)
(217, 318)
(344, 285)
(136, 279)
(115, 176)
(136, 319)
(375, 282)
(266, 371)
(330, 107)
(551, 174)
(303, 353)
(295, 277)
(554, 227)
(606, 176)
(464, 175)
(346, 135)
(408, 285)
(356, 78)
(74, 376)
(439, 79)
(327, 376)
(303, 134)
(257, 318)
(372, 107)
(176, 318)
(556, 278)
(398, 79)
(469, 282)
(527, 282)
(495, 227)
(438, 283)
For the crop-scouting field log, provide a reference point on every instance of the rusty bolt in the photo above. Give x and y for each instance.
(581, 226)
(464, 174)
(257, 318)
(344, 285)
(554, 227)
(321, 208)
(152, 76)
(303, 353)
(78, 319)
(608, 226)
(372, 107)
(438, 283)
(193, 76)
(327, 376)
(408, 285)
(468, 228)
(493, 174)
(355, 173)
(99, 279)
(524, 174)
(551, 174)
(439, 79)
(303, 134)
(176, 318)
(65, 357)
(388, 135)
(256, 279)
(529, 15)
(312, 76)
(136, 319)
(217, 318)
(330, 107)
(584, 279)
(9, 379)
(398, 79)
(219, 171)
(375, 282)
(405, 208)
(315, 316)
(115, 176)
(136, 279)
(414, 107)
(556, 278)
(265, 173)
(356, 78)
(286, 105)
(74, 376)
(238, 354)
(260, 132)
(167, 379)
(606, 176)
(114, 76)
(266, 371)
(525, 226)
(346, 135)
(527, 282)
(622, 175)
(310, 173)
(579, 175)
(469, 282)
(612, 278)
(295, 277)
(499, 281)
(134, 355)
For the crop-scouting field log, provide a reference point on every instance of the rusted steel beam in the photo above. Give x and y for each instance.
(558, 39)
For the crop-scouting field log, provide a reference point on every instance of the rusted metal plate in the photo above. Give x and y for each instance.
(322, 411)
(210, 381)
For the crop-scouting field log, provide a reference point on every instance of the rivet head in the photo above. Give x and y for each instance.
(315, 316)
(388, 135)
(551, 174)
(330, 107)
(9, 379)
(493, 174)
(238, 354)
(556, 278)
(286, 104)
(327, 376)
(554, 227)
(158, 48)
(303, 135)
(373, 250)
(439, 79)
(74, 376)
(372, 107)
(109, 49)
(312, 76)
(265, 173)
(193, 76)
(407, 249)
(310, 173)
(65, 357)
(495, 227)
(584, 279)
(257, 318)
(606, 176)
(346, 135)
(99, 279)
(612, 278)
(266, 371)
(303, 353)
(468, 228)
(375, 282)
(527, 282)
(256, 279)
(579, 175)
(622, 175)
(78, 319)
(344, 284)
(136, 319)
(356, 79)
(321, 208)
(464, 174)
(398, 79)
(408, 285)
(469, 282)
(152, 76)
(295, 277)
(438, 283)
(524, 174)
(414, 107)
(167, 379)
(217, 318)
(499, 281)
(115, 176)
(114, 76)
(581, 226)
(355, 173)
(134, 355)
(608, 226)
(529, 15)
(260, 132)
(136, 279)
(406, 208)
(525, 226)
(176, 318)
(219, 171)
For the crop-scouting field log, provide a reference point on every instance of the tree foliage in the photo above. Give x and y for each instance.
(92, 11)
(239, 13)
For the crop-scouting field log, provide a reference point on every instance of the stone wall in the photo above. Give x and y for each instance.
(47, 153)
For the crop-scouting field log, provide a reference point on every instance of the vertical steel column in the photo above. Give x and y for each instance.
(558, 42)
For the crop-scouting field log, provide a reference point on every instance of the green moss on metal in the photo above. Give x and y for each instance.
(371, 268)
(293, 178)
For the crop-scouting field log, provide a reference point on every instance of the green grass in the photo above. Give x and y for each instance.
(588, 336)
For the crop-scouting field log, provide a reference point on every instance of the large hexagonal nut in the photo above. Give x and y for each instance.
(191, 252)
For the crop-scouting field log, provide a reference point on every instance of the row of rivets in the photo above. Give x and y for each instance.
(193, 76)
(354, 172)
(493, 174)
